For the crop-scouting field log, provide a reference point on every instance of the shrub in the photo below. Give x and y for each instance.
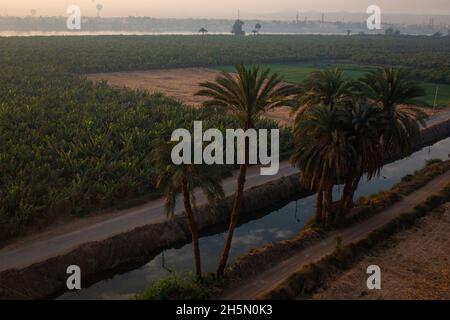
(433, 161)
(176, 287)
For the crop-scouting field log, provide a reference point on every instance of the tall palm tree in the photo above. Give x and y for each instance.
(323, 153)
(361, 120)
(203, 31)
(397, 96)
(174, 180)
(328, 87)
(247, 95)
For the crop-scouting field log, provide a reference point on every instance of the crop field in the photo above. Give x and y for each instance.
(70, 147)
(297, 72)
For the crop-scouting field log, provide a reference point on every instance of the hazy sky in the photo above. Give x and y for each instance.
(217, 8)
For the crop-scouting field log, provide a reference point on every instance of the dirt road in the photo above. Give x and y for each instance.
(273, 277)
(54, 242)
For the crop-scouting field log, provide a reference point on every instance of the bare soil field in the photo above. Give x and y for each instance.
(182, 84)
(179, 84)
(415, 266)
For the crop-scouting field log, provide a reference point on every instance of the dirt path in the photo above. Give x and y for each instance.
(415, 265)
(271, 278)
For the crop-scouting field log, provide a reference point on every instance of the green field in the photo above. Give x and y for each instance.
(72, 147)
(297, 72)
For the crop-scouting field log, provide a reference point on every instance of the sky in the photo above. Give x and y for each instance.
(216, 8)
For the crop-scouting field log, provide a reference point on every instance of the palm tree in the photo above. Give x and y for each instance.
(361, 120)
(396, 96)
(327, 87)
(247, 95)
(323, 153)
(174, 180)
(203, 31)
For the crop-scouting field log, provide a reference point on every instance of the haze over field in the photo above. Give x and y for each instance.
(219, 9)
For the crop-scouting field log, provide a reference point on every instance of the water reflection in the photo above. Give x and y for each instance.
(278, 225)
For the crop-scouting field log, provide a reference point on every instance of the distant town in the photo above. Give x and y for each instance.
(298, 24)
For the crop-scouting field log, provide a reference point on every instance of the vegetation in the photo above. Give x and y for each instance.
(299, 72)
(427, 57)
(203, 31)
(72, 147)
(311, 277)
(183, 179)
(69, 146)
(178, 287)
(344, 130)
(247, 96)
(397, 97)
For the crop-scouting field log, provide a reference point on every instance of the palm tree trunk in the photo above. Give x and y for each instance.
(354, 188)
(193, 228)
(346, 198)
(234, 219)
(235, 211)
(319, 207)
(329, 205)
(349, 192)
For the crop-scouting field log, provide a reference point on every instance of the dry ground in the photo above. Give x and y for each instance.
(415, 265)
(180, 84)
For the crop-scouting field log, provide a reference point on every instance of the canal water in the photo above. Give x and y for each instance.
(276, 225)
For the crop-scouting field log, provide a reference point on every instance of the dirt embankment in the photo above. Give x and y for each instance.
(415, 265)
